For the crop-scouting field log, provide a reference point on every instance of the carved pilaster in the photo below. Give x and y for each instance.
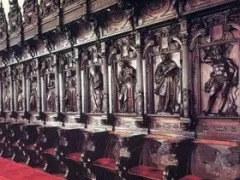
(105, 79)
(39, 95)
(11, 92)
(186, 71)
(139, 75)
(57, 90)
(78, 74)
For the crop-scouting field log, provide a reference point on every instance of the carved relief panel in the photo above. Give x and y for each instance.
(48, 68)
(92, 60)
(215, 48)
(17, 75)
(117, 20)
(68, 87)
(163, 68)
(216, 161)
(159, 154)
(122, 56)
(6, 90)
(87, 31)
(155, 10)
(31, 75)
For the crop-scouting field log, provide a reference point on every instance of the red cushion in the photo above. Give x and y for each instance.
(191, 177)
(74, 156)
(51, 151)
(30, 147)
(106, 163)
(147, 172)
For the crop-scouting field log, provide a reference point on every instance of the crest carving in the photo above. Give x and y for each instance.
(15, 17)
(30, 12)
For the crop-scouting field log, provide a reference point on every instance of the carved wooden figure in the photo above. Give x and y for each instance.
(167, 80)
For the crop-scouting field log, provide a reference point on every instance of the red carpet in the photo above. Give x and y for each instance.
(10, 170)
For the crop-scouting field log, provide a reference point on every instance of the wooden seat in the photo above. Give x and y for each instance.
(74, 157)
(106, 163)
(191, 177)
(147, 172)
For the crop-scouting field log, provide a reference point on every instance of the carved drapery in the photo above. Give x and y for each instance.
(49, 84)
(68, 82)
(7, 90)
(92, 62)
(163, 67)
(122, 56)
(18, 91)
(32, 86)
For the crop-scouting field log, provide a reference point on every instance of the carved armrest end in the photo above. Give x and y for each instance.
(169, 172)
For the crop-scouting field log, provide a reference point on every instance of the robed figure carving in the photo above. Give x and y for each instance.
(223, 78)
(33, 94)
(20, 97)
(167, 82)
(71, 92)
(7, 98)
(96, 78)
(51, 93)
(126, 83)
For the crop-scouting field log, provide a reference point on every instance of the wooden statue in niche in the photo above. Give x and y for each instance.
(48, 68)
(33, 93)
(71, 92)
(124, 54)
(49, 7)
(18, 89)
(6, 92)
(29, 11)
(33, 89)
(167, 81)
(70, 83)
(15, 17)
(223, 78)
(51, 92)
(93, 57)
(96, 80)
(3, 24)
(126, 84)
